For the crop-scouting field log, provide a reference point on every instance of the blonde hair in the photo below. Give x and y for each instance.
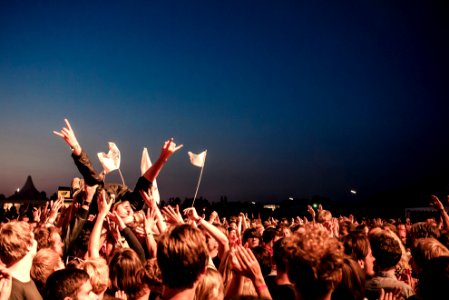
(98, 271)
(15, 240)
(45, 262)
(210, 286)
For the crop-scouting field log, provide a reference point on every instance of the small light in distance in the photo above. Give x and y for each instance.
(290, 198)
(354, 192)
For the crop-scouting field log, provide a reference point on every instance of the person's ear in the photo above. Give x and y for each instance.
(361, 263)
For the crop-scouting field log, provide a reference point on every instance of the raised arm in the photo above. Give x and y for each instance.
(436, 203)
(168, 149)
(95, 237)
(216, 233)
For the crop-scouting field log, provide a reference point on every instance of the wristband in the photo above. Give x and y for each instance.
(261, 287)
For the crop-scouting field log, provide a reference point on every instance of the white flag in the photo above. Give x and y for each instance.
(198, 159)
(110, 161)
(145, 164)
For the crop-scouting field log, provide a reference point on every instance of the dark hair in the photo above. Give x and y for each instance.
(268, 235)
(386, 250)
(263, 256)
(65, 283)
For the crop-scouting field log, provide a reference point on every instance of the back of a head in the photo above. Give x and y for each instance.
(425, 249)
(352, 284)
(386, 250)
(65, 283)
(126, 272)
(268, 235)
(182, 256)
(98, 271)
(210, 287)
(424, 230)
(15, 241)
(45, 262)
(315, 260)
(356, 245)
(434, 280)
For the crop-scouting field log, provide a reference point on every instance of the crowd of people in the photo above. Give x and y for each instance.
(113, 242)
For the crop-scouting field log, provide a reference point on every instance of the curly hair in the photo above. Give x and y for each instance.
(315, 261)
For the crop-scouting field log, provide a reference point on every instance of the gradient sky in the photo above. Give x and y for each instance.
(290, 98)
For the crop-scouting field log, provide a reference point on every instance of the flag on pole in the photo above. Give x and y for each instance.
(111, 160)
(198, 159)
(145, 164)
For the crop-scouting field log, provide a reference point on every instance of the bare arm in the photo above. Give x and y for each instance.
(216, 233)
(168, 149)
(95, 236)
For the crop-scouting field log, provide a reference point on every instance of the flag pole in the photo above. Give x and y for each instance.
(121, 176)
(199, 179)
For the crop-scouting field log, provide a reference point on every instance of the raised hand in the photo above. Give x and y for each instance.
(103, 205)
(169, 148)
(68, 135)
(191, 213)
(172, 215)
(436, 203)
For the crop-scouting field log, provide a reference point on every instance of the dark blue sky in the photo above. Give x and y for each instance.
(290, 98)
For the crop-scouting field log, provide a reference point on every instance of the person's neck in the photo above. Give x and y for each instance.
(178, 294)
(282, 278)
(21, 269)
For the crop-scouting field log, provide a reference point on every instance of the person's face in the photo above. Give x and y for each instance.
(253, 242)
(57, 243)
(368, 264)
(402, 233)
(125, 211)
(85, 292)
(212, 246)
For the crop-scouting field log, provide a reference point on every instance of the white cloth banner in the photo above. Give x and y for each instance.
(198, 159)
(145, 164)
(111, 160)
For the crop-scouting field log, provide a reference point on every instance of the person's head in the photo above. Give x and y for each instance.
(16, 241)
(182, 256)
(49, 237)
(423, 230)
(386, 250)
(357, 246)
(127, 273)
(434, 279)
(69, 284)
(268, 236)
(352, 285)
(98, 271)
(251, 237)
(210, 287)
(124, 210)
(315, 261)
(45, 262)
(424, 250)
